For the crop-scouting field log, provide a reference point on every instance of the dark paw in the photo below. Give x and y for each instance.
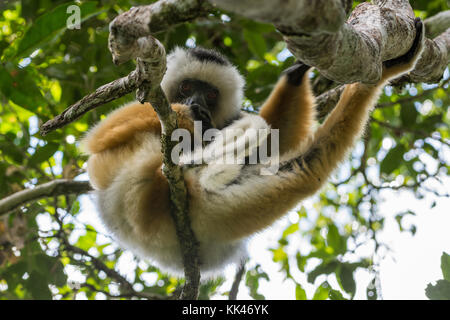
(415, 48)
(296, 72)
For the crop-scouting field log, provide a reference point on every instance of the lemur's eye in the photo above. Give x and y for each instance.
(185, 87)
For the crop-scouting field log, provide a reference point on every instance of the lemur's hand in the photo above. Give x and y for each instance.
(398, 66)
(225, 156)
(296, 72)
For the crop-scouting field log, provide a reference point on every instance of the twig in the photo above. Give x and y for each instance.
(49, 189)
(102, 95)
(400, 130)
(237, 280)
(111, 273)
(413, 98)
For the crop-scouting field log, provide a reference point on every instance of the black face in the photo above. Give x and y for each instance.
(201, 97)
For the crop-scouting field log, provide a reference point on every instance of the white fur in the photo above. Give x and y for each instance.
(213, 198)
(182, 65)
(118, 203)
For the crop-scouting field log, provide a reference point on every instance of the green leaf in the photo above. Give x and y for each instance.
(322, 292)
(18, 87)
(336, 295)
(300, 293)
(256, 43)
(43, 153)
(393, 159)
(301, 262)
(87, 241)
(290, 230)
(323, 268)
(408, 114)
(38, 287)
(445, 266)
(441, 291)
(258, 27)
(51, 24)
(50, 268)
(75, 209)
(252, 279)
(345, 278)
(335, 240)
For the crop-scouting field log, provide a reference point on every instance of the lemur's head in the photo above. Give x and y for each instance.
(207, 82)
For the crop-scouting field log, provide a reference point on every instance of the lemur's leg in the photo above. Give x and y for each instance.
(257, 201)
(290, 107)
(336, 135)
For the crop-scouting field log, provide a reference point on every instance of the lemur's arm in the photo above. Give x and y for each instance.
(264, 199)
(112, 142)
(290, 107)
(346, 122)
(123, 126)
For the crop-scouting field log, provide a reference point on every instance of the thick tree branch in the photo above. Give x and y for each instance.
(292, 16)
(352, 51)
(145, 20)
(437, 24)
(49, 189)
(434, 60)
(335, 48)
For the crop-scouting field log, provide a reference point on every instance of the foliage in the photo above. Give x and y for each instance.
(50, 249)
(441, 291)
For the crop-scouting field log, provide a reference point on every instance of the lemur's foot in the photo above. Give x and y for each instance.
(296, 72)
(406, 62)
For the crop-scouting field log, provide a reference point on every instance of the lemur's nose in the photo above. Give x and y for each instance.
(200, 112)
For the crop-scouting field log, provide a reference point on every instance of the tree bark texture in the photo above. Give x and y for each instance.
(49, 189)
(317, 34)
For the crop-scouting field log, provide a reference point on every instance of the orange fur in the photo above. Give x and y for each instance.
(114, 141)
(291, 110)
(125, 124)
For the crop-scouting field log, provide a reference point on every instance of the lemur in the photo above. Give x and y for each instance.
(229, 205)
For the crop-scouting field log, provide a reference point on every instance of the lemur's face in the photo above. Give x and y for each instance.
(201, 97)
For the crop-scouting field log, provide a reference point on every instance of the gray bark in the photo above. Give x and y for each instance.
(49, 189)
(317, 34)
(437, 24)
